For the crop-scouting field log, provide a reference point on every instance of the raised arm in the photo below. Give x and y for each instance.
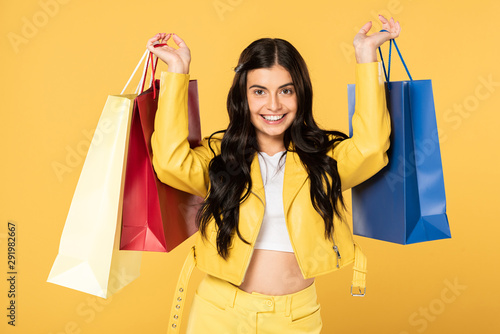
(175, 163)
(364, 154)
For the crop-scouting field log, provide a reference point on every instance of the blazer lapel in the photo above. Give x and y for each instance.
(295, 177)
(257, 184)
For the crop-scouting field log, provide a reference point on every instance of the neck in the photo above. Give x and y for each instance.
(271, 147)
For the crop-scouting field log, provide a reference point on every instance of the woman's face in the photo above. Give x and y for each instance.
(272, 102)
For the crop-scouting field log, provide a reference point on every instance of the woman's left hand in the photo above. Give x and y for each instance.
(366, 46)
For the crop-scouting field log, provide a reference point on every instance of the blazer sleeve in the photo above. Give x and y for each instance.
(364, 154)
(175, 163)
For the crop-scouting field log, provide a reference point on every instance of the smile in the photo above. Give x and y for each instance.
(273, 118)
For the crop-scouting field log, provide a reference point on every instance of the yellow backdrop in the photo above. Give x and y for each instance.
(61, 58)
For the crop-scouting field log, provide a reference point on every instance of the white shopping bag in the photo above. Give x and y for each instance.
(89, 259)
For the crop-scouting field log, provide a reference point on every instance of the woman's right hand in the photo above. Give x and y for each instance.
(177, 59)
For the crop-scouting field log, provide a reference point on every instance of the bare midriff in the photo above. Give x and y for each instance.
(274, 273)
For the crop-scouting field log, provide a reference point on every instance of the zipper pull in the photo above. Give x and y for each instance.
(336, 249)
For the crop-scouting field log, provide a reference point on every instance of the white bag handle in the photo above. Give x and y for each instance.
(146, 54)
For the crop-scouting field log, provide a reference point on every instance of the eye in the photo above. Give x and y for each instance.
(287, 91)
(258, 92)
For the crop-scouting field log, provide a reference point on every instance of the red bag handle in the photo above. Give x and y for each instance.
(154, 64)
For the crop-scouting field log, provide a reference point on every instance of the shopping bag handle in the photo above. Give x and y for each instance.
(388, 72)
(135, 70)
(150, 58)
(154, 62)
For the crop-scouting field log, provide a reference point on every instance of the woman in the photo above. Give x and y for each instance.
(272, 182)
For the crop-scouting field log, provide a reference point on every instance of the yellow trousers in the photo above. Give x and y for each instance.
(219, 307)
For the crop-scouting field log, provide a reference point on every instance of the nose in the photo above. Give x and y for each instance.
(273, 103)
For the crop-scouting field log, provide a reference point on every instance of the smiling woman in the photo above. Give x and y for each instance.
(272, 185)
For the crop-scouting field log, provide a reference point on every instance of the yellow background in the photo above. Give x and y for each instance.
(55, 81)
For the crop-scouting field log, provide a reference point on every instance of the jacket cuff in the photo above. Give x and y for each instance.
(178, 78)
(370, 72)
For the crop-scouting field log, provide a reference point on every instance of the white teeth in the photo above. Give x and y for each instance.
(273, 118)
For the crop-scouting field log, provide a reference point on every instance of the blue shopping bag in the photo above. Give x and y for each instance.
(405, 202)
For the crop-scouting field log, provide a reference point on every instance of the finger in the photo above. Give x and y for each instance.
(179, 41)
(366, 28)
(150, 44)
(395, 26)
(386, 25)
(395, 29)
(164, 38)
(382, 18)
(151, 41)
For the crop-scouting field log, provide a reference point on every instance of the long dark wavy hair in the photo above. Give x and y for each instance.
(229, 172)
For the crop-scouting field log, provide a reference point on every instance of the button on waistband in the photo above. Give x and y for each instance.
(269, 302)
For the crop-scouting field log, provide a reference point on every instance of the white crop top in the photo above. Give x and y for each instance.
(273, 233)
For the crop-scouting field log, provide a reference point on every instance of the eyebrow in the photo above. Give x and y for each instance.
(258, 86)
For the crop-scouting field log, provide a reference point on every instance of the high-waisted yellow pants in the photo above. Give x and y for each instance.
(219, 307)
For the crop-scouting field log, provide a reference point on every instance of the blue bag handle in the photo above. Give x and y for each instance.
(388, 72)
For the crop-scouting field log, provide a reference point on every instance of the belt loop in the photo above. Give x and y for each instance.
(180, 293)
(288, 305)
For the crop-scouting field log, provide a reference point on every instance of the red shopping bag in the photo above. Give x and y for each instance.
(156, 217)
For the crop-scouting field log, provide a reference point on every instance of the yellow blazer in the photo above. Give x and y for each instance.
(358, 158)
